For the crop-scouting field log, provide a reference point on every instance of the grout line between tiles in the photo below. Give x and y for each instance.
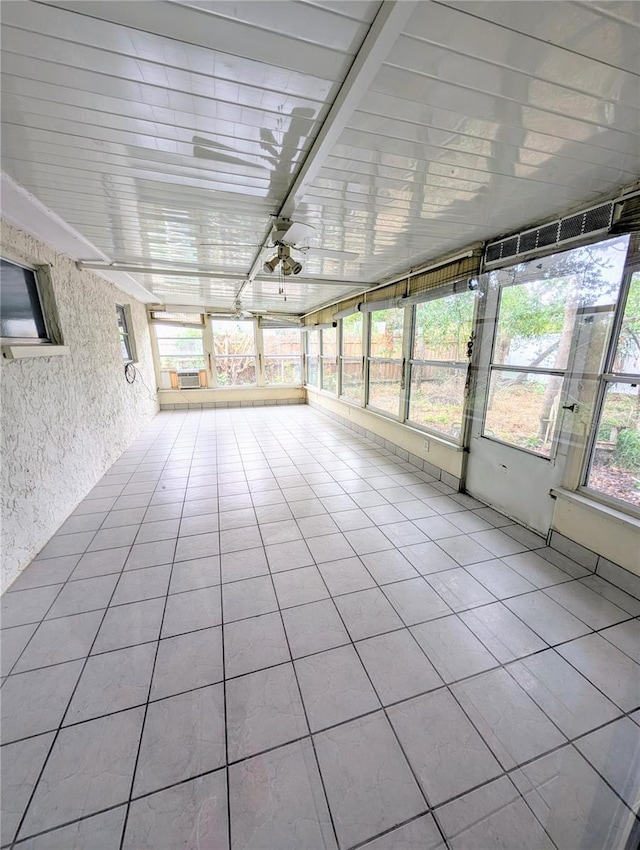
(238, 439)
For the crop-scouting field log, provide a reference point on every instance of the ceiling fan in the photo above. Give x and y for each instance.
(286, 236)
(238, 313)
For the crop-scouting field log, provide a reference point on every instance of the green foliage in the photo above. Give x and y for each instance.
(445, 323)
(604, 430)
(627, 452)
(533, 310)
(629, 340)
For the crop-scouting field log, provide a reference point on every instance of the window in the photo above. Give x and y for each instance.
(329, 360)
(541, 306)
(126, 342)
(351, 358)
(614, 459)
(234, 350)
(282, 355)
(313, 358)
(438, 366)
(385, 359)
(21, 315)
(180, 348)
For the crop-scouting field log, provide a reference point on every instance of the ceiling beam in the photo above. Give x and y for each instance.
(183, 272)
(388, 24)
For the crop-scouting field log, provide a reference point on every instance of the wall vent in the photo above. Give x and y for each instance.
(557, 233)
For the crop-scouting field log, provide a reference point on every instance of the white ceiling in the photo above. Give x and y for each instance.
(153, 127)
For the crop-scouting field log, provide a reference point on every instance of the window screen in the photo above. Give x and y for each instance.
(20, 309)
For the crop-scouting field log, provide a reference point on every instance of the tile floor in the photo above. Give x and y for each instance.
(261, 630)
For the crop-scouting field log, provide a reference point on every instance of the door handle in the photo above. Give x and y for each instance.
(572, 407)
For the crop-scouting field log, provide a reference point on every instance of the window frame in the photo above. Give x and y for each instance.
(322, 357)
(156, 340)
(567, 374)
(19, 348)
(315, 357)
(607, 378)
(215, 357)
(413, 362)
(562, 373)
(123, 312)
(342, 359)
(30, 340)
(263, 358)
(400, 416)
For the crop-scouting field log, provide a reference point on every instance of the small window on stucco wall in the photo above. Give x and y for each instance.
(127, 345)
(21, 314)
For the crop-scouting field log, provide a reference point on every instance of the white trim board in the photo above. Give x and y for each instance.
(24, 210)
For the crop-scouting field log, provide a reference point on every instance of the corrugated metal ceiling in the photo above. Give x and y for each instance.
(155, 127)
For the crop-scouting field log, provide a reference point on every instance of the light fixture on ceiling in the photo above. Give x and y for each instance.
(270, 265)
(289, 265)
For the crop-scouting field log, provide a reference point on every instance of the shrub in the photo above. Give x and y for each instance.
(627, 453)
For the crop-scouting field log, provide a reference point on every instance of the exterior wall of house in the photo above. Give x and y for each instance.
(65, 419)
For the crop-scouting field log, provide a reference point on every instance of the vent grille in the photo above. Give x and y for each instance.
(627, 215)
(557, 233)
(547, 235)
(493, 252)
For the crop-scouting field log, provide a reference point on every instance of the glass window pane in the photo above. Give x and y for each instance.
(386, 332)
(522, 409)
(329, 375)
(443, 328)
(283, 370)
(615, 467)
(384, 386)
(313, 371)
(179, 348)
(179, 364)
(329, 342)
(540, 299)
(235, 371)
(313, 343)
(233, 338)
(628, 349)
(20, 310)
(352, 335)
(352, 380)
(437, 398)
(282, 341)
(124, 347)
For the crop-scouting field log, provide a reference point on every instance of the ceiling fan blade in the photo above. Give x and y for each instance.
(296, 232)
(329, 252)
(230, 244)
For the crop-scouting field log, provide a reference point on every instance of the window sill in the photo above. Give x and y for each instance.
(597, 506)
(429, 435)
(21, 352)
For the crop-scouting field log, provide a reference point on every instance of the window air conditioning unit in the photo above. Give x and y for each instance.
(189, 380)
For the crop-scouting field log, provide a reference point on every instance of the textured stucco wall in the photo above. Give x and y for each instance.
(66, 419)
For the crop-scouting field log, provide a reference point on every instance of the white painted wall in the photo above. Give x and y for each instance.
(606, 532)
(66, 419)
